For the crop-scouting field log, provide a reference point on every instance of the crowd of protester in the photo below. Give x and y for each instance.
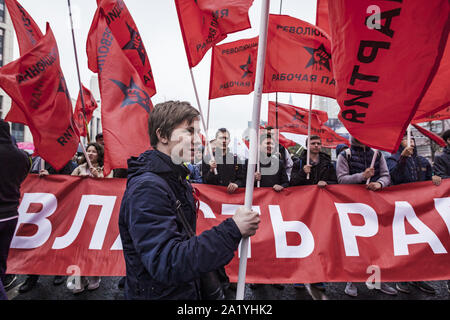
(278, 169)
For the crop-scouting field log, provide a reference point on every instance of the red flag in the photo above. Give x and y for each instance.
(89, 107)
(205, 23)
(28, 34)
(331, 139)
(438, 94)
(440, 115)
(430, 135)
(125, 102)
(279, 138)
(127, 35)
(285, 142)
(298, 58)
(322, 16)
(383, 71)
(294, 119)
(233, 68)
(36, 84)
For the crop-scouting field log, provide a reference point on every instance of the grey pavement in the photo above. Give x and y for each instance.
(108, 290)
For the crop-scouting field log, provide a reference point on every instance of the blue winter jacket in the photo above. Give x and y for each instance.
(408, 169)
(162, 262)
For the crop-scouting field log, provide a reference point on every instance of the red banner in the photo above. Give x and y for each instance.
(384, 67)
(233, 68)
(298, 58)
(311, 234)
(125, 102)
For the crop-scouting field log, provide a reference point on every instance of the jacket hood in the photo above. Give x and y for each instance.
(156, 162)
(340, 148)
(5, 136)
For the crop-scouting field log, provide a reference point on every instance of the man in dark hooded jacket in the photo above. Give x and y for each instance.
(162, 261)
(406, 166)
(14, 167)
(320, 169)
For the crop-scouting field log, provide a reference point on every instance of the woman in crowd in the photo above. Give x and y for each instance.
(95, 153)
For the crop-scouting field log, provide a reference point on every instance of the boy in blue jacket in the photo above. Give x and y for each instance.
(162, 261)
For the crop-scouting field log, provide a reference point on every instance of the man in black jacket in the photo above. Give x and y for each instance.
(272, 171)
(14, 167)
(321, 173)
(321, 170)
(162, 260)
(230, 170)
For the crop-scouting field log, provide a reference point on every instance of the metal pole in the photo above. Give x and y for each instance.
(259, 79)
(83, 104)
(308, 152)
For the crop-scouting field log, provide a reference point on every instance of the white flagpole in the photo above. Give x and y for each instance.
(309, 134)
(202, 118)
(375, 154)
(256, 117)
(83, 103)
(408, 132)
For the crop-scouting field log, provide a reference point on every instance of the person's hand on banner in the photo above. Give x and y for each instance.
(232, 187)
(436, 180)
(247, 221)
(374, 186)
(43, 173)
(322, 184)
(257, 176)
(278, 188)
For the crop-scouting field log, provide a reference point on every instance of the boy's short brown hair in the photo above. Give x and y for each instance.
(168, 115)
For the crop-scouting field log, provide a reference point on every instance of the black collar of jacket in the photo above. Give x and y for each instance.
(157, 162)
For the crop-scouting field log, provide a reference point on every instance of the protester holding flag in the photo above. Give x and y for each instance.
(321, 170)
(406, 166)
(272, 173)
(162, 260)
(354, 167)
(96, 156)
(14, 167)
(230, 170)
